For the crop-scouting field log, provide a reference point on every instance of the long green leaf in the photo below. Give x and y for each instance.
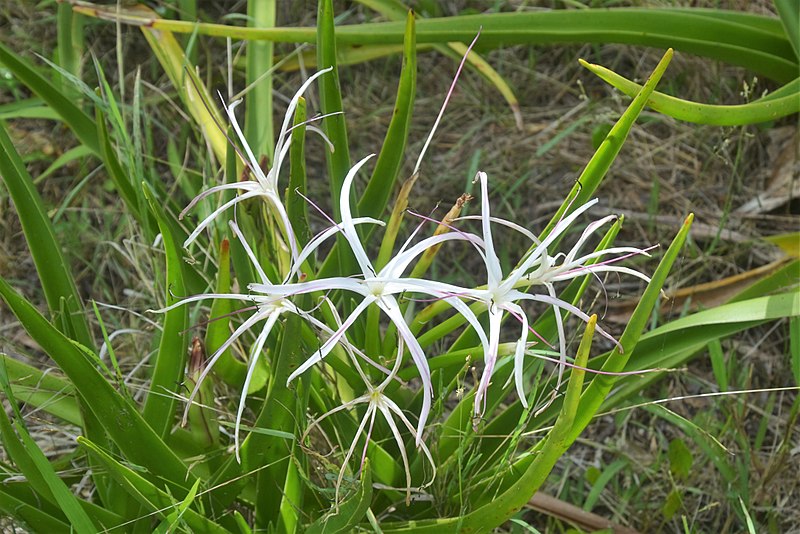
(149, 495)
(123, 423)
(42, 390)
(789, 12)
(34, 464)
(387, 167)
(744, 39)
(32, 516)
(258, 127)
(170, 362)
(79, 122)
(56, 280)
(330, 99)
(731, 115)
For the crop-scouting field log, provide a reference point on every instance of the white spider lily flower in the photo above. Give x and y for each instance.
(379, 288)
(267, 308)
(264, 185)
(501, 294)
(377, 401)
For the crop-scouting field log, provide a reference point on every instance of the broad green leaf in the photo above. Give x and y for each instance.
(170, 360)
(150, 496)
(42, 390)
(390, 159)
(54, 275)
(330, 99)
(258, 127)
(741, 39)
(30, 459)
(680, 459)
(32, 516)
(789, 12)
(348, 514)
(79, 122)
(121, 420)
(731, 115)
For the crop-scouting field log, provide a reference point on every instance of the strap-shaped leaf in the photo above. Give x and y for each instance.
(41, 475)
(170, 361)
(42, 390)
(747, 40)
(330, 100)
(79, 122)
(151, 497)
(135, 438)
(789, 12)
(730, 115)
(258, 128)
(51, 265)
(32, 516)
(390, 159)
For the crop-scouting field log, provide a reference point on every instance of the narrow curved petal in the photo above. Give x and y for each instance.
(492, 263)
(505, 222)
(490, 359)
(258, 346)
(519, 353)
(398, 264)
(326, 347)
(348, 226)
(320, 238)
(245, 326)
(389, 305)
(244, 186)
(249, 251)
(210, 218)
(204, 296)
(301, 288)
(559, 229)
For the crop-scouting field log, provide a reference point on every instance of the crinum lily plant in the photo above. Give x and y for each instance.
(389, 288)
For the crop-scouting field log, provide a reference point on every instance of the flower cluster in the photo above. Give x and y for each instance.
(503, 295)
